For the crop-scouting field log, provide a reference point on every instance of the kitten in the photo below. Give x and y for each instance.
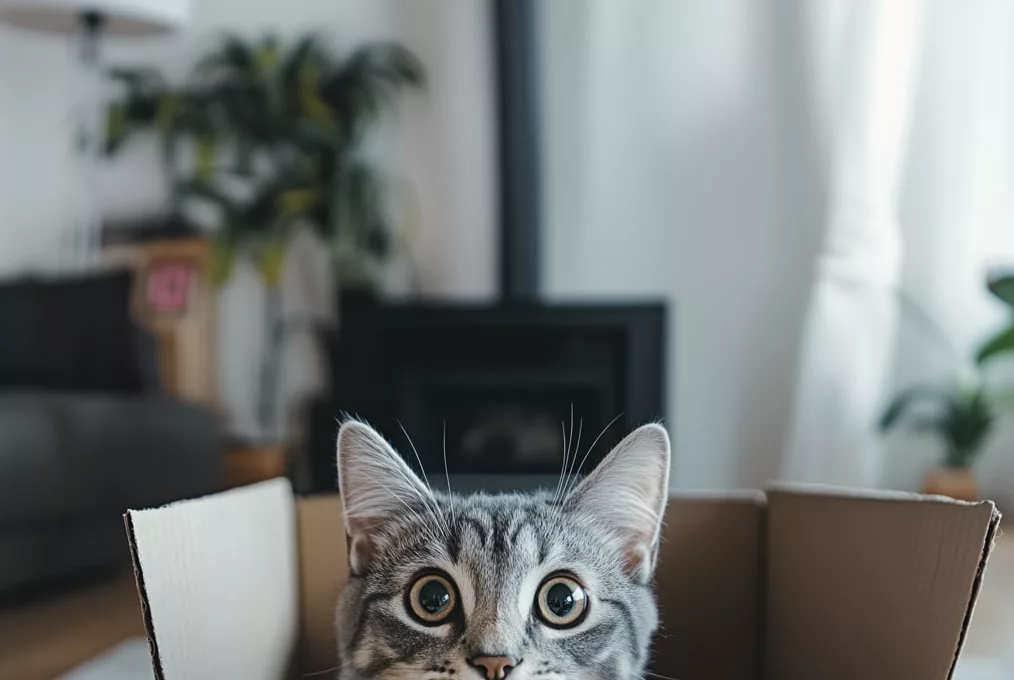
(530, 586)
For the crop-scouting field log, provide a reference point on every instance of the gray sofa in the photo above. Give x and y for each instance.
(70, 464)
(86, 430)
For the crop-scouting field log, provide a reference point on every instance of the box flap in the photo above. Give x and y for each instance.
(322, 572)
(217, 578)
(709, 587)
(871, 586)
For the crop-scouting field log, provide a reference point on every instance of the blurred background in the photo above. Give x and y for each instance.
(503, 232)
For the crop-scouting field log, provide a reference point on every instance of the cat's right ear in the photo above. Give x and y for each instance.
(376, 485)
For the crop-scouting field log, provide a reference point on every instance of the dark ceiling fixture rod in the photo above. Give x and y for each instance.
(519, 160)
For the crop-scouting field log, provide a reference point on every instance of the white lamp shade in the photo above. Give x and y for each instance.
(120, 17)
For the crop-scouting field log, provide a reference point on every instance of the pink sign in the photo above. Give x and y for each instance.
(168, 286)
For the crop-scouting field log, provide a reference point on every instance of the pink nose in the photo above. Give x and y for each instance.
(496, 667)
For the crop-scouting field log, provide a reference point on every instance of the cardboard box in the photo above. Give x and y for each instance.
(794, 584)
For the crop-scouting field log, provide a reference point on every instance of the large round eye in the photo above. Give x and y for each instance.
(562, 602)
(432, 599)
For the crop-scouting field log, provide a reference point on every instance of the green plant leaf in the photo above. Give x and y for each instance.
(169, 105)
(194, 189)
(317, 138)
(233, 58)
(271, 261)
(138, 78)
(906, 398)
(293, 202)
(267, 55)
(207, 147)
(367, 81)
(966, 426)
(1001, 343)
(964, 422)
(222, 259)
(116, 127)
(300, 76)
(1001, 284)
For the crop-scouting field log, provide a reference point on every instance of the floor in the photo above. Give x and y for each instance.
(991, 636)
(44, 641)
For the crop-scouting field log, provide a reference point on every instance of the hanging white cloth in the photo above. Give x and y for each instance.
(850, 329)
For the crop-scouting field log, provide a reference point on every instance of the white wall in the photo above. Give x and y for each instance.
(686, 156)
(440, 150)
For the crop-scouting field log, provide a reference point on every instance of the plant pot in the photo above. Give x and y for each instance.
(256, 461)
(957, 483)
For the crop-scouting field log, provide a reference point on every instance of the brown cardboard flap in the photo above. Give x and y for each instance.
(878, 588)
(322, 573)
(709, 588)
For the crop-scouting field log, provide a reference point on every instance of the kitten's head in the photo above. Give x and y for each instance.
(530, 586)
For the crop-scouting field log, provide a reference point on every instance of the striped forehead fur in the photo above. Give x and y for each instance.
(498, 549)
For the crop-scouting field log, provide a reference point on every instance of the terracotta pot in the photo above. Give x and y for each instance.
(957, 483)
(255, 462)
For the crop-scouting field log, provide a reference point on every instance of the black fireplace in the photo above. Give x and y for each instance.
(498, 387)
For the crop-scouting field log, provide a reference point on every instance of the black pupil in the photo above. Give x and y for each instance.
(560, 599)
(434, 597)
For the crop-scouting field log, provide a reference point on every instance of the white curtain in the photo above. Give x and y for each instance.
(849, 333)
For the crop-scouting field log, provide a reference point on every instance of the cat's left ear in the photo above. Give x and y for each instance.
(626, 494)
(376, 488)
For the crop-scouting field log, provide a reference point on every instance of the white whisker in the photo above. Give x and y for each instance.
(447, 475)
(590, 449)
(563, 468)
(435, 509)
(422, 470)
(573, 460)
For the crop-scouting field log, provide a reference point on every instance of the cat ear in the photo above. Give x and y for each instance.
(376, 485)
(626, 494)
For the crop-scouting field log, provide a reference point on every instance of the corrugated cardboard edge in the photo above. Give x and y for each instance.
(992, 533)
(741, 495)
(142, 595)
(812, 489)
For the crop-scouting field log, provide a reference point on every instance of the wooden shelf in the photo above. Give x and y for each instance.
(184, 325)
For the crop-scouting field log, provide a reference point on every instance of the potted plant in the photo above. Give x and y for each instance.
(962, 413)
(961, 416)
(274, 137)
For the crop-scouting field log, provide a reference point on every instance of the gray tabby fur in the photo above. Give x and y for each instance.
(498, 549)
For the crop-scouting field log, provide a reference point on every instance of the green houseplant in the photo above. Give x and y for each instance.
(961, 416)
(962, 413)
(261, 140)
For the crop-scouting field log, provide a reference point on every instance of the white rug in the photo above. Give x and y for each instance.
(981, 668)
(127, 661)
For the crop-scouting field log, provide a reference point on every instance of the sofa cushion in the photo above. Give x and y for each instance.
(70, 333)
(75, 456)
